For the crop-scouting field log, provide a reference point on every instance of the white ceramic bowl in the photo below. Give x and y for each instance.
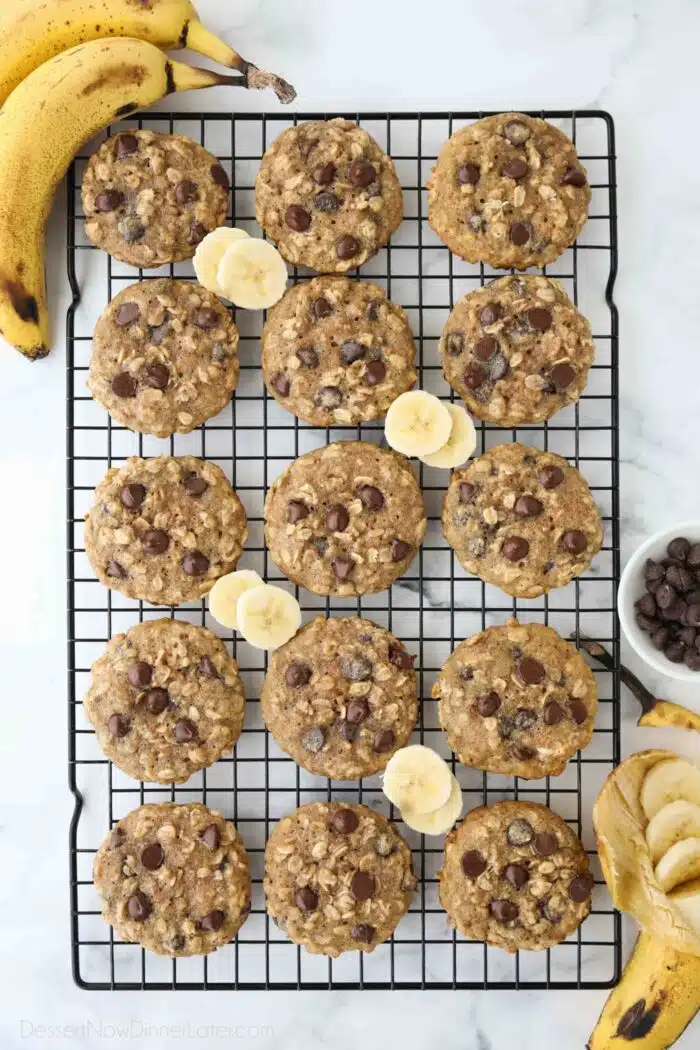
(632, 587)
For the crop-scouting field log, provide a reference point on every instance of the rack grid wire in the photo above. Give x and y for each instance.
(432, 608)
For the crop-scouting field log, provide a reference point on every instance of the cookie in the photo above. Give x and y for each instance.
(517, 351)
(516, 876)
(165, 700)
(517, 699)
(163, 530)
(337, 351)
(150, 198)
(164, 357)
(346, 519)
(327, 195)
(338, 878)
(521, 519)
(174, 878)
(340, 697)
(509, 191)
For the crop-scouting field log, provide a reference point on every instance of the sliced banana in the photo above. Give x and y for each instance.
(417, 779)
(440, 820)
(417, 423)
(209, 254)
(687, 900)
(224, 595)
(680, 864)
(678, 820)
(268, 616)
(459, 445)
(252, 274)
(668, 781)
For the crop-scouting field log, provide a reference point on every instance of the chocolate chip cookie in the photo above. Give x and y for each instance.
(165, 700)
(150, 198)
(522, 519)
(516, 876)
(337, 351)
(338, 878)
(164, 357)
(174, 878)
(345, 519)
(517, 350)
(509, 191)
(163, 530)
(340, 697)
(327, 195)
(517, 699)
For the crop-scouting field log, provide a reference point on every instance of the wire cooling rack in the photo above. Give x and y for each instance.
(432, 608)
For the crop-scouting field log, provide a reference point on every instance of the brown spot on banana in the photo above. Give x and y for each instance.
(23, 303)
(637, 1022)
(125, 75)
(169, 79)
(126, 109)
(182, 39)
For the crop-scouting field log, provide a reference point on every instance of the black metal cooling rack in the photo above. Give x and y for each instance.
(432, 608)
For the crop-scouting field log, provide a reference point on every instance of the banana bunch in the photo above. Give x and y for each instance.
(647, 822)
(68, 68)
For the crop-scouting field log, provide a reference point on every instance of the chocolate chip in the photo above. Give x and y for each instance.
(195, 564)
(467, 492)
(363, 885)
(139, 907)
(579, 711)
(515, 168)
(515, 548)
(647, 605)
(545, 843)
(126, 314)
(400, 658)
(539, 318)
(155, 542)
(305, 147)
(693, 558)
(691, 658)
(186, 191)
(140, 674)
(520, 833)
(344, 821)
(296, 511)
(195, 485)
(383, 741)
(323, 174)
(363, 933)
(297, 218)
(321, 308)
(516, 875)
(156, 700)
(524, 753)
(675, 652)
(131, 229)
(211, 837)
(371, 497)
(548, 911)
(297, 674)
(679, 548)
(580, 888)
(528, 507)
(198, 232)
(468, 174)
(116, 570)
(653, 571)
(553, 713)
(152, 856)
(520, 233)
(337, 518)
(308, 356)
(220, 177)
(680, 578)
(357, 711)
(118, 725)
(486, 346)
(473, 864)
(503, 911)
(109, 200)
(155, 375)
(361, 173)
(132, 495)
(313, 739)
(488, 704)
(373, 308)
(490, 313)
(516, 132)
(454, 343)
(645, 623)
(347, 247)
(213, 921)
(348, 732)
(343, 567)
(351, 351)
(692, 614)
(375, 372)
(185, 731)
(206, 318)
(660, 637)
(400, 550)
(305, 899)
(531, 671)
(574, 542)
(124, 385)
(281, 383)
(562, 376)
(126, 145)
(524, 718)
(326, 201)
(573, 177)
(474, 376)
(550, 476)
(356, 668)
(157, 333)
(328, 397)
(207, 667)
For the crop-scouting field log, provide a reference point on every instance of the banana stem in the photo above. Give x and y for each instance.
(197, 37)
(639, 691)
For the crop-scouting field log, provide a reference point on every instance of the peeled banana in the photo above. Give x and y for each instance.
(34, 31)
(417, 780)
(268, 616)
(224, 595)
(43, 124)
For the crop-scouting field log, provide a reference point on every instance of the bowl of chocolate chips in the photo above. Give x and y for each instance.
(659, 601)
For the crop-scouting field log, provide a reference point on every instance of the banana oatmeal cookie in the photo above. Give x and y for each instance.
(517, 351)
(516, 876)
(165, 700)
(327, 195)
(174, 878)
(508, 190)
(346, 519)
(521, 519)
(517, 699)
(164, 357)
(149, 198)
(340, 697)
(337, 351)
(163, 530)
(338, 878)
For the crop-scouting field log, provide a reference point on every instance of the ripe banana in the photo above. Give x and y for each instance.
(34, 31)
(656, 999)
(252, 274)
(417, 780)
(43, 124)
(668, 781)
(417, 423)
(268, 616)
(210, 252)
(459, 445)
(667, 713)
(439, 820)
(224, 595)
(674, 822)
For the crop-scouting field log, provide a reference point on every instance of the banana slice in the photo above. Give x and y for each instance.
(680, 864)
(459, 445)
(417, 423)
(224, 595)
(252, 274)
(417, 779)
(209, 254)
(440, 820)
(667, 781)
(678, 820)
(687, 900)
(268, 616)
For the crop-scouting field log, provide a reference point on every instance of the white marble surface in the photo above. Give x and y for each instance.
(636, 59)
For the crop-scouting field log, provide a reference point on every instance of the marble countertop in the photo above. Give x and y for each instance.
(635, 58)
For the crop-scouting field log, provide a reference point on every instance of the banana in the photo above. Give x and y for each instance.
(667, 713)
(252, 274)
(43, 124)
(678, 820)
(417, 423)
(440, 820)
(680, 864)
(417, 779)
(268, 616)
(459, 445)
(34, 31)
(224, 595)
(209, 253)
(667, 781)
(656, 999)
(687, 899)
